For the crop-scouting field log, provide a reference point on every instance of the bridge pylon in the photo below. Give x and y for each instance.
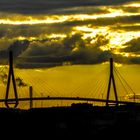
(11, 77)
(111, 79)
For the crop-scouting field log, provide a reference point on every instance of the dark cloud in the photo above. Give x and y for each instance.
(94, 10)
(12, 31)
(16, 47)
(44, 6)
(54, 47)
(135, 60)
(132, 46)
(5, 43)
(105, 21)
(122, 59)
(47, 52)
(80, 10)
(60, 51)
(126, 27)
(131, 9)
(72, 49)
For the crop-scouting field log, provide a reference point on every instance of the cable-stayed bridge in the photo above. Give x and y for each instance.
(101, 93)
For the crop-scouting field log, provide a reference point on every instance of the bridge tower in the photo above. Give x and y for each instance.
(111, 79)
(11, 75)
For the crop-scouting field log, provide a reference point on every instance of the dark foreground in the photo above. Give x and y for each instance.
(77, 121)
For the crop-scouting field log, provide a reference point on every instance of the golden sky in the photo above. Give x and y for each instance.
(47, 33)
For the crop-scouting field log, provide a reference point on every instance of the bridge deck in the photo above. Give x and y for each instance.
(68, 99)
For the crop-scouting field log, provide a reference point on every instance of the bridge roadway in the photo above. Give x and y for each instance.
(68, 99)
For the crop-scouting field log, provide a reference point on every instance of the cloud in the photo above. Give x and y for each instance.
(80, 10)
(126, 27)
(130, 9)
(46, 51)
(105, 21)
(43, 6)
(53, 47)
(5, 43)
(13, 31)
(40, 30)
(134, 60)
(17, 47)
(132, 46)
(72, 48)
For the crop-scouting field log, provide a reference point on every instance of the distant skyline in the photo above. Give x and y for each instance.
(70, 31)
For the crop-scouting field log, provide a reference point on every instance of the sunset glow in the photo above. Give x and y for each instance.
(70, 31)
(63, 47)
(118, 38)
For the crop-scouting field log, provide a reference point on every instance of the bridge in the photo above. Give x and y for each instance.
(14, 102)
(69, 99)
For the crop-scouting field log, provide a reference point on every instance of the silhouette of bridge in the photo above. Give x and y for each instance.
(15, 101)
(67, 98)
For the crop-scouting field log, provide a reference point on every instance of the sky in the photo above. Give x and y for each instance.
(48, 33)
(44, 33)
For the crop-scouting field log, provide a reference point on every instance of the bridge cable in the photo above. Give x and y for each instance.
(125, 81)
(119, 78)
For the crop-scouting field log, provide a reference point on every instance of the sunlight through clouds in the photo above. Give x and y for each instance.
(73, 33)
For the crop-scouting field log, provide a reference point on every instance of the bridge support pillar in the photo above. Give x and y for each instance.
(111, 78)
(11, 75)
(31, 96)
